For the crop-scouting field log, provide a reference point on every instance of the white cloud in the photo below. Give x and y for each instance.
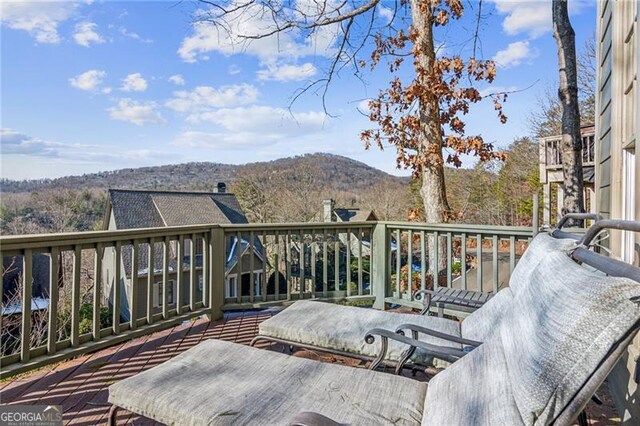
(531, 16)
(251, 21)
(267, 126)
(492, 90)
(204, 98)
(85, 34)
(514, 54)
(135, 36)
(39, 19)
(363, 106)
(234, 69)
(134, 83)
(177, 80)
(264, 119)
(385, 13)
(19, 144)
(287, 72)
(90, 81)
(135, 112)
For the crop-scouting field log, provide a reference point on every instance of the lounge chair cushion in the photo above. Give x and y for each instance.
(222, 383)
(343, 328)
(475, 390)
(483, 322)
(539, 247)
(562, 326)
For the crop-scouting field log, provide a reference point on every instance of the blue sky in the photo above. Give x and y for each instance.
(101, 85)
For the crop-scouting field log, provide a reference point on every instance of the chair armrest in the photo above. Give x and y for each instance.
(309, 418)
(419, 329)
(442, 352)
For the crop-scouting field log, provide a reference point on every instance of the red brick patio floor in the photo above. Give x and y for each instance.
(81, 385)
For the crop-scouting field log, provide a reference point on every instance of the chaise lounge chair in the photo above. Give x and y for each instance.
(568, 328)
(340, 329)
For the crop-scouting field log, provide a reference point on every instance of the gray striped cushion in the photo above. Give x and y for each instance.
(222, 383)
(539, 247)
(562, 326)
(475, 390)
(483, 322)
(343, 328)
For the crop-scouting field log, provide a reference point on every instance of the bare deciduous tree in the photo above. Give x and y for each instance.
(568, 95)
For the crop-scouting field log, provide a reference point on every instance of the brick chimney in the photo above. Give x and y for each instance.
(222, 188)
(327, 210)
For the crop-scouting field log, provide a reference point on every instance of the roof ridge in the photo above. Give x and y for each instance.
(164, 191)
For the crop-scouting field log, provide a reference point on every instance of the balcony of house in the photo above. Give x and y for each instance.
(552, 176)
(111, 304)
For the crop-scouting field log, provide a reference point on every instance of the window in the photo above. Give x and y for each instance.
(554, 153)
(200, 282)
(157, 293)
(232, 284)
(588, 149)
(257, 277)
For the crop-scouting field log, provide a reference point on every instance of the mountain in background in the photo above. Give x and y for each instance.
(325, 171)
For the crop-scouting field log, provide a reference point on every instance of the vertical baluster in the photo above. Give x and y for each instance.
(277, 266)
(301, 264)
(252, 282)
(180, 274)
(436, 260)
(348, 265)
(410, 264)
(97, 289)
(192, 272)
(325, 267)
(133, 311)
(423, 261)
(463, 259)
(204, 271)
(52, 324)
(75, 297)
(151, 261)
(313, 249)
(494, 263)
(449, 259)
(116, 285)
(398, 256)
(165, 276)
(287, 259)
(336, 260)
(360, 237)
(265, 275)
(239, 267)
(479, 262)
(512, 253)
(27, 283)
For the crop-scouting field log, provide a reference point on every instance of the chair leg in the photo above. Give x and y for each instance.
(583, 420)
(112, 415)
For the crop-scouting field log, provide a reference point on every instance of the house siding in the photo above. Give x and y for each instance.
(618, 168)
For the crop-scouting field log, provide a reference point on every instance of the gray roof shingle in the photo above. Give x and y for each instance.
(152, 209)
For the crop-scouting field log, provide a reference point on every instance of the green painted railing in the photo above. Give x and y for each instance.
(73, 293)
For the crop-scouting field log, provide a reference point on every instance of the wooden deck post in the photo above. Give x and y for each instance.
(379, 264)
(218, 256)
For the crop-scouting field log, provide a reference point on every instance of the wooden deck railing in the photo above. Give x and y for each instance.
(105, 287)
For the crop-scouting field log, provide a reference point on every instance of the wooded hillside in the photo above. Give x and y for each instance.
(284, 190)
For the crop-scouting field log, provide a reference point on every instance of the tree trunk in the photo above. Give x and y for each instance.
(568, 94)
(433, 191)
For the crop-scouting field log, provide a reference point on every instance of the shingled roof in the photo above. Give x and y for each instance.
(153, 209)
(354, 215)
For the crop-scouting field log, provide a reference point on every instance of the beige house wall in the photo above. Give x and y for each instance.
(617, 165)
